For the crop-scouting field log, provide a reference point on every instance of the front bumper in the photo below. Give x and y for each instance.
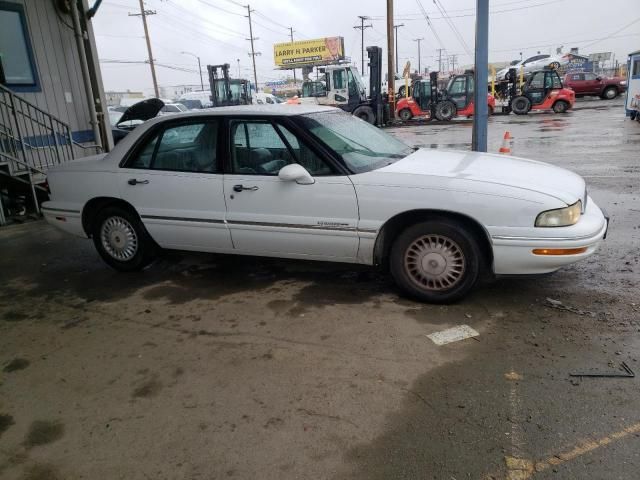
(513, 254)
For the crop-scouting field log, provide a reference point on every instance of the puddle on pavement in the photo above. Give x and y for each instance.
(42, 432)
(16, 364)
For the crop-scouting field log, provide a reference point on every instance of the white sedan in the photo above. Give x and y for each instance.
(316, 183)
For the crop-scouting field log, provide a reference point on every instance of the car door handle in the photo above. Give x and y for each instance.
(240, 188)
(133, 181)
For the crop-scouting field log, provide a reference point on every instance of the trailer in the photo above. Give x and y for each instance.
(632, 103)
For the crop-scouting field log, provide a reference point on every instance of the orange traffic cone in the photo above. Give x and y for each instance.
(505, 148)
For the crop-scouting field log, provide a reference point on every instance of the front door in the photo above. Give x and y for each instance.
(269, 216)
(592, 84)
(459, 91)
(175, 184)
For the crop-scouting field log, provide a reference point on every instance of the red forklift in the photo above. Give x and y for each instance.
(455, 100)
(543, 90)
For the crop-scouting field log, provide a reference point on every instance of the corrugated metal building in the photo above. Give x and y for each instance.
(52, 103)
(41, 61)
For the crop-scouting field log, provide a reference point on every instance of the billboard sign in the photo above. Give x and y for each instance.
(320, 51)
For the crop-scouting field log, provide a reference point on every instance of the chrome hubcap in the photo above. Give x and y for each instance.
(434, 262)
(119, 239)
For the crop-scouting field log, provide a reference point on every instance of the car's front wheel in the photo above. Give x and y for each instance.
(436, 261)
(121, 239)
(560, 106)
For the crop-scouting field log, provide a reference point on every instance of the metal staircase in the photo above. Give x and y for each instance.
(31, 141)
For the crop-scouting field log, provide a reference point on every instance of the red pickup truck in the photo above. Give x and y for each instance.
(592, 84)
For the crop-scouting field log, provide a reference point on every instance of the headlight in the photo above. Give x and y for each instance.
(560, 217)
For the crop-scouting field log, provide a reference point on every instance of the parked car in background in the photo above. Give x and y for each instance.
(591, 84)
(261, 98)
(172, 108)
(197, 99)
(317, 183)
(529, 64)
(123, 120)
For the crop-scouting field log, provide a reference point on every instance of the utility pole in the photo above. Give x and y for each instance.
(391, 78)
(294, 70)
(440, 59)
(453, 62)
(143, 13)
(253, 52)
(480, 118)
(397, 59)
(419, 66)
(361, 27)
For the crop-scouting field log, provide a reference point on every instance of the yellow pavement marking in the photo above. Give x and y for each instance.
(523, 469)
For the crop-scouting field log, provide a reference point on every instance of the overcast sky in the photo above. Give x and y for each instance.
(216, 30)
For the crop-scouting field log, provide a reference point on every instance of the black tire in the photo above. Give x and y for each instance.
(520, 105)
(460, 252)
(561, 106)
(121, 239)
(405, 114)
(446, 110)
(609, 93)
(365, 113)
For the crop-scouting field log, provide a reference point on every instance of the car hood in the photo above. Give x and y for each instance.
(144, 110)
(490, 168)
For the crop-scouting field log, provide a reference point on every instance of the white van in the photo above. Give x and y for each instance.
(632, 104)
(196, 100)
(261, 98)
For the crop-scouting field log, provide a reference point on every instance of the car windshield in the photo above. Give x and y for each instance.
(362, 146)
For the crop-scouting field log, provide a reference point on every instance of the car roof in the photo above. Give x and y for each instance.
(260, 110)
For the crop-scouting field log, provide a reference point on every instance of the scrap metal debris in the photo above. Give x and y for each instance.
(628, 373)
(557, 304)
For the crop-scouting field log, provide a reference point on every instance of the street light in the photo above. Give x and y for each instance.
(199, 67)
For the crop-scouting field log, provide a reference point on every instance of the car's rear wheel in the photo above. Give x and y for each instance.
(561, 106)
(436, 261)
(610, 93)
(520, 105)
(121, 239)
(405, 114)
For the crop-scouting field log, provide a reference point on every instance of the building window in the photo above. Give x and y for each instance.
(16, 53)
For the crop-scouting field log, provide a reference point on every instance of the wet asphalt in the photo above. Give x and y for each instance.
(212, 367)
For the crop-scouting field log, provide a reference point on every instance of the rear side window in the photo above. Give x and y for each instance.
(189, 147)
(635, 70)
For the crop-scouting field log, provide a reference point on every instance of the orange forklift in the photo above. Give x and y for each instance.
(543, 90)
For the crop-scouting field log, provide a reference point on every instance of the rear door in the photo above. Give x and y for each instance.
(174, 181)
(592, 85)
(268, 216)
(577, 83)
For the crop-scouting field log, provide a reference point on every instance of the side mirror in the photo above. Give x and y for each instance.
(598, 78)
(296, 173)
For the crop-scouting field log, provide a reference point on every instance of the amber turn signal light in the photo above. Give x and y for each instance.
(559, 251)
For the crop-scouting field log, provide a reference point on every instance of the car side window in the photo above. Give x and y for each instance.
(589, 76)
(577, 76)
(184, 148)
(258, 148)
(143, 158)
(304, 155)
(187, 148)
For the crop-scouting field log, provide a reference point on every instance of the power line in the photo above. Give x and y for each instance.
(220, 8)
(455, 30)
(614, 33)
(426, 17)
